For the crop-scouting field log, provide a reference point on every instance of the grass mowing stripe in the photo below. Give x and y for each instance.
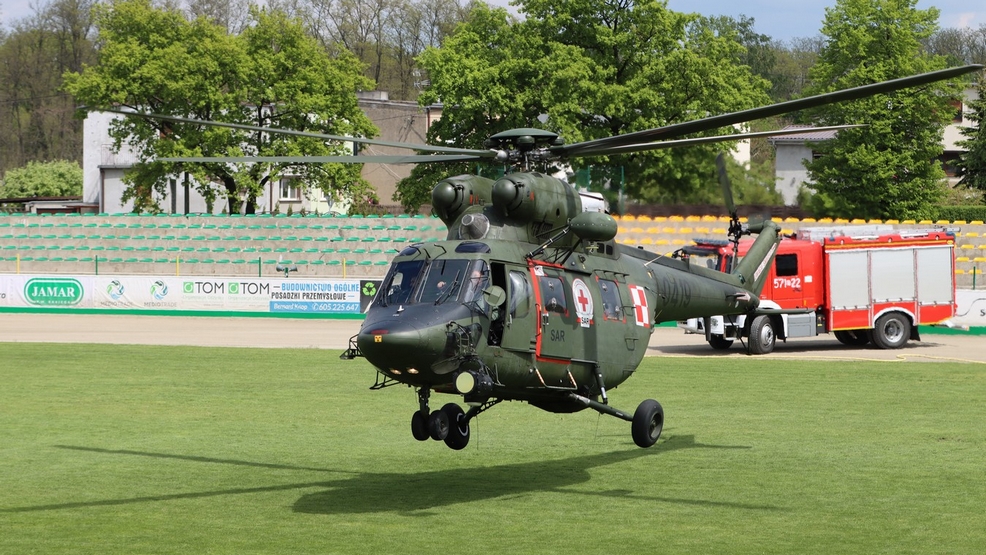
(126, 449)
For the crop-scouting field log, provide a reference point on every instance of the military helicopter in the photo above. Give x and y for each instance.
(529, 298)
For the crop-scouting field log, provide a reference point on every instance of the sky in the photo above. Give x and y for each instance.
(787, 19)
(779, 19)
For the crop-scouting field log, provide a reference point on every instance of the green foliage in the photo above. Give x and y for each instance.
(972, 165)
(589, 69)
(43, 179)
(35, 115)
(756, 186)
(956, 213)
(273, 74)
(888, 169)
(164, 449)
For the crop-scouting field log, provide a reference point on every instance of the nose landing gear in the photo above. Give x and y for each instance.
(449, 424)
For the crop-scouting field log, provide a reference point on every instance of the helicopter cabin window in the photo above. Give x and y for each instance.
(553, 294)
(612, 306)
(786, 265)
(520, 295)
(290, 189)
(601, 248)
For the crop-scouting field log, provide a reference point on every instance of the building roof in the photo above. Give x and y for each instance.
(808, 136)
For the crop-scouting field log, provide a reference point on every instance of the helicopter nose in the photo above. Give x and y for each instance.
(397, 345)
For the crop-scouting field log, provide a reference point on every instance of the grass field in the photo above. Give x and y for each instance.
(127, 449)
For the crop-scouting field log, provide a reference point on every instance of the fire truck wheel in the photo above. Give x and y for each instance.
(719, 342)
(891, 331)
(853, 338)
(762, 336)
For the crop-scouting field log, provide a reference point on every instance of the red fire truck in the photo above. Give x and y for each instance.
(864, 284)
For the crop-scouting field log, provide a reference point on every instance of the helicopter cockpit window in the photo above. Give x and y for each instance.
(400, 282)
(553, 294)
(444, 280)
(612, 306)
(520, 295)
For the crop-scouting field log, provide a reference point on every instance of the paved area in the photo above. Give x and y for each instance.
(335, 334)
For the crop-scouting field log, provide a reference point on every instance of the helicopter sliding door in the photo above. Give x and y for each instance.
(519, 331)
(566, 321)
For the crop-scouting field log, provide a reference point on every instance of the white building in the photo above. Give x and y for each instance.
(103, 169)
(792, 150)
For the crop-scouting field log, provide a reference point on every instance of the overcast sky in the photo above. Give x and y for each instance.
(780, 19)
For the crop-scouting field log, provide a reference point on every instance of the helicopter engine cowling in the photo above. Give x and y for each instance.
(535, 197)
(452, 196)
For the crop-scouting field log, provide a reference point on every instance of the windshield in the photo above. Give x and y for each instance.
(436, 282)
(400, 282)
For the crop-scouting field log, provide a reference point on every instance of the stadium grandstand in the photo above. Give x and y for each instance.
(328, 246)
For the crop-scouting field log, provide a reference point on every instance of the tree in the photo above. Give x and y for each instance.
(273, 74)
(35, 115)
(959, 46)
(233, 15)
(972, 166)
(386, 35)
(889, 168)
(60, 178)
(588, 69)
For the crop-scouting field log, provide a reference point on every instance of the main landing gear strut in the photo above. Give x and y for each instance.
(451, 424)
(646, 423)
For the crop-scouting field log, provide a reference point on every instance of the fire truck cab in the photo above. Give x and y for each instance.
(863, 284)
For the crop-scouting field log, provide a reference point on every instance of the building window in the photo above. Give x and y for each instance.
(957, 105)
(290, 189)
(950, 163)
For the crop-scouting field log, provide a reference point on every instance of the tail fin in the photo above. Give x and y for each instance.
(753, 269)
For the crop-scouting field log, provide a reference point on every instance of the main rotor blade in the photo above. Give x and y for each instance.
(643, 147)
(410, 146)
(371, 159)
(732, 118)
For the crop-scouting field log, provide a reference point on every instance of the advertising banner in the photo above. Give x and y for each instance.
(312, 297)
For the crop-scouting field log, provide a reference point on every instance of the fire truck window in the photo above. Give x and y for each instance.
(553, 294)
(786, 265)
(611, 299)
(520, 295)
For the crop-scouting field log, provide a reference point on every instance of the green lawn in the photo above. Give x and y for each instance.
(127, 449)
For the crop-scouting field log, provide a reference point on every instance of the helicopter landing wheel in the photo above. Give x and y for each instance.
(719, 342)
(648, 421)
(458, 427)
(438, 424)
(419, 426)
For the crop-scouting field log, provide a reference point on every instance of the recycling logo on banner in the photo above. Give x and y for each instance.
(367, 291)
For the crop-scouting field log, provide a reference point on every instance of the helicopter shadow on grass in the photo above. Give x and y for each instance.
(412, 493)
(416, 493)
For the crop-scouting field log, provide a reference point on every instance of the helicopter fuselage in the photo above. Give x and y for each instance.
(530, 321)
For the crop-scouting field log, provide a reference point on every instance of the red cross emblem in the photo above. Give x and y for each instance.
(583, 302)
